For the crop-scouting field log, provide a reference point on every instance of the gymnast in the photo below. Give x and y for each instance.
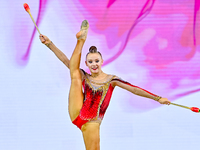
(90, 94)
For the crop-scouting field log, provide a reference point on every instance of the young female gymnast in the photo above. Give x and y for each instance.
(87, 108)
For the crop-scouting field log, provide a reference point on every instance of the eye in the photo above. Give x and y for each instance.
(97, 61)
(90, 61)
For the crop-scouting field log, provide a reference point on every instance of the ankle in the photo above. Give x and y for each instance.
(82, 35)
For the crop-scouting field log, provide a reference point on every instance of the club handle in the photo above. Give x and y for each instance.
(194, 109)
(27, 8)
(180, 105)
(34, 22)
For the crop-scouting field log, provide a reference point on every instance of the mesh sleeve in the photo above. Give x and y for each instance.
(135, 89)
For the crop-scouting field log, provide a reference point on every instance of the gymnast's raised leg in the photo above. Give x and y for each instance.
(76, 94)
(90, 131)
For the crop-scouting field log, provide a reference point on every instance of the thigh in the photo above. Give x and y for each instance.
(75, 98)
(90, 131)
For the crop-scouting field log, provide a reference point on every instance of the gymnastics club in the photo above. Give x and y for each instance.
(194, 109)
(27, 8)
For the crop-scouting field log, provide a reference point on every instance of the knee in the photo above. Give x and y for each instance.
(76, 85)
(75, 74)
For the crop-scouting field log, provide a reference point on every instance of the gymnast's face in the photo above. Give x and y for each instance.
(94, 62)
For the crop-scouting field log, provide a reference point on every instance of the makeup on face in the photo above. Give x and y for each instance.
(94, 62)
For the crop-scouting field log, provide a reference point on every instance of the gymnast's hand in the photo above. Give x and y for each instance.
(164, 101)
(44, 39)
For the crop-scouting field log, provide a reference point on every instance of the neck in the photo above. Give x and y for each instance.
(95, 75)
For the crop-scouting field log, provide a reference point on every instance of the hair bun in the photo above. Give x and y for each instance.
(93, 49)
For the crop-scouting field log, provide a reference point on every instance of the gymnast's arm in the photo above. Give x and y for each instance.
(45, 40)
(139, 91)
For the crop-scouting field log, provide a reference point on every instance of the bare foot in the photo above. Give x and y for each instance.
(82, 34)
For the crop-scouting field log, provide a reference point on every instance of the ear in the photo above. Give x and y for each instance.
(86, 63)
(101, 61)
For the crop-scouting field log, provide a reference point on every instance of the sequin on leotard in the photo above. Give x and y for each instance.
(96, 100)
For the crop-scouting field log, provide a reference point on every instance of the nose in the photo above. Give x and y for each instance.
(93, 63)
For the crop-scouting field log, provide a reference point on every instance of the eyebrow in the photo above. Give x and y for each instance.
(92, 59)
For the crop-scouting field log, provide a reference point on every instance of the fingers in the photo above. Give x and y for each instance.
(167, 102)
(164, 101)
(42, 38)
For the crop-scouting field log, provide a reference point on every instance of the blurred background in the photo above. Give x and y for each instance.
(153, 44)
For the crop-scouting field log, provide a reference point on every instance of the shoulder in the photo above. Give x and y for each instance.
(117, 81)
(114, 80)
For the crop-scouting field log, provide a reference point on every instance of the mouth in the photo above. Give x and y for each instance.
(94, 68)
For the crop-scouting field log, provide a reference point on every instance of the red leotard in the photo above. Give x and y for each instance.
(97, 98)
